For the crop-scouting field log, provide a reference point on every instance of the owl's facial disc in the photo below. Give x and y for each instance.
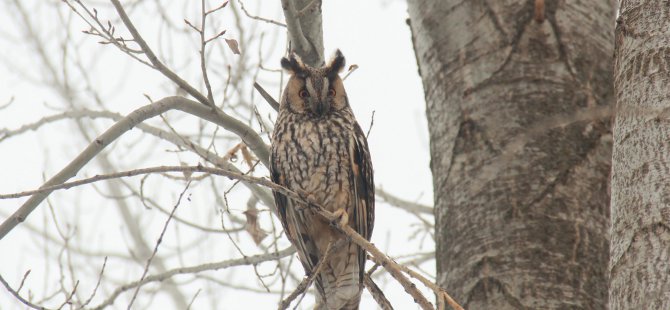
(317, 89)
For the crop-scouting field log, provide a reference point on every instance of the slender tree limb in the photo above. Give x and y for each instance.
(441, 294)
(306, 282)
(390, 265)
(376, 293)
(18, 296)
(258, 17)
(377, 256)
(268, 98)
(158, 243)
(249, 260)
(406, 205)
(127, 123)
(231, 123)
(154, 59)
(160, 169)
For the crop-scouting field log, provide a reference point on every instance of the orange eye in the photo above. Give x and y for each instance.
(303, 93)
(331, 92)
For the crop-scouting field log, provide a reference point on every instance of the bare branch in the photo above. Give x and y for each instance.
(258, 17)
(376, 293)
(250, 138)
(248, 260)
(158, 243)
(440, 293)
(268, 98)
(97, 284)
(17, 296)
(305, 283)
(406, 205)
(154, 59)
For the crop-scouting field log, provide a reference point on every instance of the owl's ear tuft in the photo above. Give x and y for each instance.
(293, 64)
(336, 64)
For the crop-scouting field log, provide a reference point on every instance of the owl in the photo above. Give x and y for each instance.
(320, 151)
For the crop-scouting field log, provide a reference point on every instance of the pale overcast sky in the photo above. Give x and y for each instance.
(372, 34)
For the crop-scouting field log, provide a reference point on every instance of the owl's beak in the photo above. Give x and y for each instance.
(319, 107)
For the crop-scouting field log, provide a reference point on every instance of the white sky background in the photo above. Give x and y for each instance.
(371, 34)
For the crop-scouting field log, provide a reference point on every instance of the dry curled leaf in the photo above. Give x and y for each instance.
(232, 43)
(252, 226)
(248, 158)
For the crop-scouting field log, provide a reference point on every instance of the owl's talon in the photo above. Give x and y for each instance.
(341, 217)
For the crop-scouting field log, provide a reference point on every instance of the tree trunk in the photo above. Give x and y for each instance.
(521, 199)
(640, 248)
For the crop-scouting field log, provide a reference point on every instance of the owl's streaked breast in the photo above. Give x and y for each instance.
(314, 154)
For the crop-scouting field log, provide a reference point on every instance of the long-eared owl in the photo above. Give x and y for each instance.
(319, 149)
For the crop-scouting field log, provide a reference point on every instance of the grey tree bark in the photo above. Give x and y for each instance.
(521, 200)
(640, 247)
(305, 29)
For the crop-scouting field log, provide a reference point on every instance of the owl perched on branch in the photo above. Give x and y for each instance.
(319, 150)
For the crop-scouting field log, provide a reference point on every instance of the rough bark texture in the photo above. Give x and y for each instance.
(640, 248)
(523, 227)
(305, 29)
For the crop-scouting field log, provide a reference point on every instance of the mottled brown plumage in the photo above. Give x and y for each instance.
(319, 149)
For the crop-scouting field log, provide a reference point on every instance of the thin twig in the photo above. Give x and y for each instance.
(372, 122)
(158, 243)
(258, 17)
(248, 260)
(154, 59)
(248, 135)
(378, 257)
(23, 281)
(17, 296)
(376, 293)
(406, 205)
(95, 289)
(439, 292)
(203, 45)
(306, 282)
(268, 98)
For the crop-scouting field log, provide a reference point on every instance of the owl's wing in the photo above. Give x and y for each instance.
(364, 191)
(294, 225)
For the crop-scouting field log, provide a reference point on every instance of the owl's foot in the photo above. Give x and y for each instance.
(341, 217)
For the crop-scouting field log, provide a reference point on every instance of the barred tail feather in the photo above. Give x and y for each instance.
(340, 278)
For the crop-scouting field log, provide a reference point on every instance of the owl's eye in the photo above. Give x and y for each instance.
(303, 93)
(331, 92)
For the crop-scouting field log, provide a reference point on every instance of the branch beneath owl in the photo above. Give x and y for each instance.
(380, 258)
(441, 294)
(244, 261)
(376, 293)
(307, 281)
(377, 256)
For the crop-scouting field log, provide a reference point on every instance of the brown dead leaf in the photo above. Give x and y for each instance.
(248, 157)
(232, 153)
(252, 226)
(234, 46)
